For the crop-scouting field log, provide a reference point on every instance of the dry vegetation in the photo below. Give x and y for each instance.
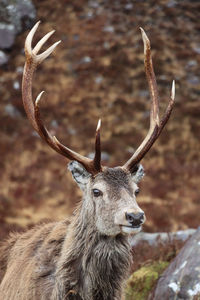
(98, 71)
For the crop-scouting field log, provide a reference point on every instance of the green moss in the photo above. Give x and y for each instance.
(142, 281)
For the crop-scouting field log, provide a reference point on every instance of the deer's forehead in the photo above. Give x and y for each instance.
(114, 178)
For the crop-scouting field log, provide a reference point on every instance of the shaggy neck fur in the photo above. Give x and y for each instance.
(91, 266)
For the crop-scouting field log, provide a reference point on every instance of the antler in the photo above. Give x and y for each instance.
(156, 126)
(33, 59)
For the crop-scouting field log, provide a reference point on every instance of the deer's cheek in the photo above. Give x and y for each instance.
(107, 227)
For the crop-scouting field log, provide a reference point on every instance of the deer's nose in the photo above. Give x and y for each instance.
(135, 219)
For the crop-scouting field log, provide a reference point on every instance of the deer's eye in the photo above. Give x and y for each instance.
(97, 193)
(137, 192)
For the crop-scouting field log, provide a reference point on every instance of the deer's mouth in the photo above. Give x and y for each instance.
(132, 226)
(128, 229)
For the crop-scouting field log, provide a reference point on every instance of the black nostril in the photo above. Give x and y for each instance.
(129, 217)
(134, 219)
(140, 216)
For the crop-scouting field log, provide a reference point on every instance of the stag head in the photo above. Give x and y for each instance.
(109, 198)
(109, 193)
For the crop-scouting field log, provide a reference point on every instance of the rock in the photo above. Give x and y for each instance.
(15, 16)
(16, 85)
(3, 58)
(86, 59)
(153, 239)
(108, 28)
(181, 280)
(129, 6)
(11, 111)
(194, 80)
(7, 35)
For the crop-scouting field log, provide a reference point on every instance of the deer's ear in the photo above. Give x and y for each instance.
(79, 173)
(137, 173)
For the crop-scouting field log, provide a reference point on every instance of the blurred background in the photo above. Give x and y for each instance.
(98, 71)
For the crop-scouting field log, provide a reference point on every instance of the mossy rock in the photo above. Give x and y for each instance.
(143, 280)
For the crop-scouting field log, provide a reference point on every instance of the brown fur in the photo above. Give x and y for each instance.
(69, 260)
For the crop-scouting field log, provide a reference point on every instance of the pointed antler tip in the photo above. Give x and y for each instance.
(98, 125)
(46, 53)
(29, 38)
(37, 48)
(39, 98)
(173, 90)
(97, 156)
(55, 139)
(145, 40)
(35, 26)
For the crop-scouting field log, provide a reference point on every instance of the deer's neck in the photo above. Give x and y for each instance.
(91, 266)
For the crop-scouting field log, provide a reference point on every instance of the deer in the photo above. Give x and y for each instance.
(87, 256)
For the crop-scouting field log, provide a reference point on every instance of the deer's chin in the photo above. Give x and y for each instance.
(130, 230)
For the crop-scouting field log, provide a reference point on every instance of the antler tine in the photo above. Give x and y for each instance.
(39, 45)
(151, 79)
(97, 157)
(168, 111)
(32, 108)
(29, 38)
(155, 125)
(41, 129)
(92, 166)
